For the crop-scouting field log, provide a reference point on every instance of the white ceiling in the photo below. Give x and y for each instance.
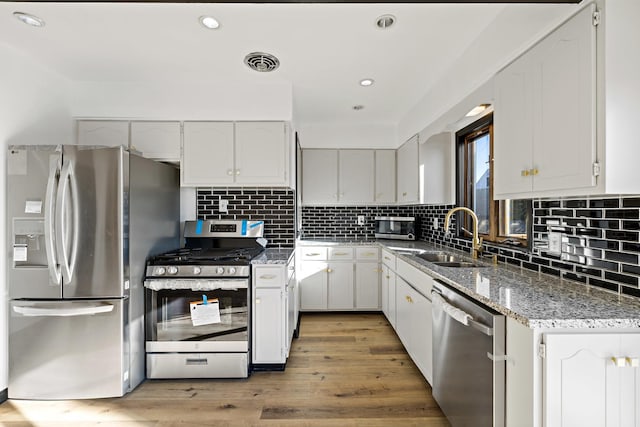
(324, 49)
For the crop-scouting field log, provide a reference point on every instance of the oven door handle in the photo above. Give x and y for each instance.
(196, 285)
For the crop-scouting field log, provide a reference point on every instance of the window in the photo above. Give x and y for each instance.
(504, 221)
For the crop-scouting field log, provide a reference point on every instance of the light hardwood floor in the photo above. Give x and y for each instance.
(344, 370)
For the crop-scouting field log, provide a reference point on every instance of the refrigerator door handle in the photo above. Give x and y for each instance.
(52, 311)
(67, 180)
(55, 272)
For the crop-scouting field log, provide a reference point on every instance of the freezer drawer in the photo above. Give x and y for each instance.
(67, 349)
(197, 365)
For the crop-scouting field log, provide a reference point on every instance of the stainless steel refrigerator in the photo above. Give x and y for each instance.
(80, 225)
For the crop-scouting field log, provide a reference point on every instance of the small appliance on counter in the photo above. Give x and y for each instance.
(399, 228)
(81, 222)
(198, 300)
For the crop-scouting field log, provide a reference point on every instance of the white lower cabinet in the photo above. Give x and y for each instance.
(271, 335)
(592, 380)
(339, 278)
(413, 326)
(389, 294)
(313, 285)
(340, 286)
(572, 377)
(367, 286)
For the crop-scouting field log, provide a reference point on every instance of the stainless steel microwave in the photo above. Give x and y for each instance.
(395, 227)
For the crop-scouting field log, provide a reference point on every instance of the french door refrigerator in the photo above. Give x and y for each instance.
(80, 225)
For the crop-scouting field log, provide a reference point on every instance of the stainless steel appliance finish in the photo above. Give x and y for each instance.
(214, 264)
(81, 223)
(399, 228)
(468, 360)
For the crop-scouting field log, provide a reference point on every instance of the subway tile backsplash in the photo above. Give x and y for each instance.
(275, 206)
(600, 236)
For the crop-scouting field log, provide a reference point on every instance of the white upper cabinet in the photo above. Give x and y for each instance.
(407, 169)
(385, 176)
(565, 110)
(319, 176)
(356, 176)
(261, 153)
(156, 140)
(106, 133)
(207, 153)
(224, 153)
(437, 163)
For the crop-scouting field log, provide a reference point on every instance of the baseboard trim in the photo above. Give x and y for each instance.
(4, 395)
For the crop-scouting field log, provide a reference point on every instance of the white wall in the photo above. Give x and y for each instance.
(490, 52)
(182, 101)
(348, 135)
(33, 110)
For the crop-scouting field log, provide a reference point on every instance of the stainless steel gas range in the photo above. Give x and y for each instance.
(197, 302)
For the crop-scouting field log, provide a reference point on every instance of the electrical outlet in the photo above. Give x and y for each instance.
(555, 242)
(223, 206)
(435, 223)
(360, 219)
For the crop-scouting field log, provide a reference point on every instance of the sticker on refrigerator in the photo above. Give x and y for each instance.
(205, 312)
(19, 253)
(33, 206)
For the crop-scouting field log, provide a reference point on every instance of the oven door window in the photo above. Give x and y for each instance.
(170, 311)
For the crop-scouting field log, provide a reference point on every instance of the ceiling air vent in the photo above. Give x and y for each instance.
(260, 61)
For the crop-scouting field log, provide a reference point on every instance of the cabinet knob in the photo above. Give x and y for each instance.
(404, 194)
(268, 276)
(388, 277)
(229, 172)
(237, 171)
(329, 270)
(387, 258)
(633, 362)
(620, 362)
(258, 300)
(524, 172)
(409, 300)
(377, 270)
(534, 171)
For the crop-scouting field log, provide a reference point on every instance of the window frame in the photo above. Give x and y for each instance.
(464, 137)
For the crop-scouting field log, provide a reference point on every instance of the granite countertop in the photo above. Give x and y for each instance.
(536, 300)
(274, 256)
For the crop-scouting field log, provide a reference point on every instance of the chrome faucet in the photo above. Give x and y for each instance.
(476, 242)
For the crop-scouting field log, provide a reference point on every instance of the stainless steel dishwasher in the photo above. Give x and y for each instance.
(468, 359)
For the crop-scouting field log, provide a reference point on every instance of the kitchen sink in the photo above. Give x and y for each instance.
(447, 260)
(439, 257)
(407, 251)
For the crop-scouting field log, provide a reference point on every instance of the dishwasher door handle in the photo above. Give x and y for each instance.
(459, 315)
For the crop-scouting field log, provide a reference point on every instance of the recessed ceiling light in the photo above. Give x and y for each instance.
(32, 20)
(385, 21)
(366, 82)
(209, 22)
(358, 107)
(477, 110)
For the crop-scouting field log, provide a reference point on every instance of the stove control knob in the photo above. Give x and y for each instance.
(232, 270)
(220, 270)
(196, 270)
(172, 270)
(159, 271)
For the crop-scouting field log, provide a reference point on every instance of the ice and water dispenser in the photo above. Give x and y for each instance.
(29, 243)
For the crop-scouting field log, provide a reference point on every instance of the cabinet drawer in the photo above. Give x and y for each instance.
(416, 278)
(269, 277)
(340, 253)
(389, 259)
(313, 253)
(367, 253)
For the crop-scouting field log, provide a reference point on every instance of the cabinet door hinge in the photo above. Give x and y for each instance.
(595, 19)
(542, 350)
(596, 169)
